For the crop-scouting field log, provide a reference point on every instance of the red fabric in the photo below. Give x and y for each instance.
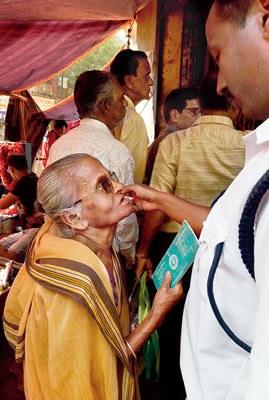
(31, 52)
(69, 10)
(35, 122)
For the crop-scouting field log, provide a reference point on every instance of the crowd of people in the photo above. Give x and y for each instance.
(67, 314)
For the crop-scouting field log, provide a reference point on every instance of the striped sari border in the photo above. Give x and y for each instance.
(82, 284)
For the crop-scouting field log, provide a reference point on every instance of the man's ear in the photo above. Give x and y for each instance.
(103, 106)
(265, 18)
(128, 81)
(75, 222)
(174, 115)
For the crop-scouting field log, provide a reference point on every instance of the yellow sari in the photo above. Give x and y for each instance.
(62, 320)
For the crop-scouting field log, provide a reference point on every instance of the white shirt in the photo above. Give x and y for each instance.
(94, 138)
(213, 366)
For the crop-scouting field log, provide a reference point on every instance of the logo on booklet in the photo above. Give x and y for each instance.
(173, 261)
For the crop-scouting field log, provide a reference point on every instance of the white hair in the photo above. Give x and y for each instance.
(58, 189)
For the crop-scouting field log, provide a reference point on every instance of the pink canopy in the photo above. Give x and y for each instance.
(41, 38)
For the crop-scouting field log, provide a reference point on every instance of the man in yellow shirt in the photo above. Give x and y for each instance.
(133, 71)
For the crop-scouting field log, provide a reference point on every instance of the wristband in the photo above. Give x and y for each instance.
(130, 348)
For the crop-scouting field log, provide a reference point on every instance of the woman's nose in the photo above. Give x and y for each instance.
(117, 186)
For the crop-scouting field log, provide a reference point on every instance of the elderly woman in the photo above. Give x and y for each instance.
(66, 314)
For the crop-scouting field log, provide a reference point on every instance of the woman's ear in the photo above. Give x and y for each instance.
(75, 222)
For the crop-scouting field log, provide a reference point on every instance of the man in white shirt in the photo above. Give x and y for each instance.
(133, 71)
(101, 106)
(224, 341)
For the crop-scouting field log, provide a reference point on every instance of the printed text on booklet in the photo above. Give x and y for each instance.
(179, 256)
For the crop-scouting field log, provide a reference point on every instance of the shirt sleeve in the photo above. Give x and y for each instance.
(164, 173)
(127, 230)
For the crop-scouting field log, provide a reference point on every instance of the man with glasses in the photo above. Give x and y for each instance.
(101, 106)
(176, 109)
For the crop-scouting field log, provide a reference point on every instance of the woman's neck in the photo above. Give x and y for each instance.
(99, 242)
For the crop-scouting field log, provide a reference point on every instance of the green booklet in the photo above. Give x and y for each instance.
(179, 256)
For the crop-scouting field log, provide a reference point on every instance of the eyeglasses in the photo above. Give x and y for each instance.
(194, 111)
(105, 186)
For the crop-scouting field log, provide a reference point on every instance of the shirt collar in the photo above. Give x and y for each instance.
(129, 101)
(213, 119)
(254, 140)
(96, 124)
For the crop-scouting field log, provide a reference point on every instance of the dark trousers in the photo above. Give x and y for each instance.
(169, 333)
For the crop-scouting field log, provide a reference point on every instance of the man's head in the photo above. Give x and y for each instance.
(98, 95)
(60, 127)
(238, 38)
(207, 93)
(181, 107)
(17, 165)
(132, 70)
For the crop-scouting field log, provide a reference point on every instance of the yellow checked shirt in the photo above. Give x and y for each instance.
(198, 163)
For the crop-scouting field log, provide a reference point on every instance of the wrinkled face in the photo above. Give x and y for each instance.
(142, 82)
(103, 205)
(188, 115)
(117, 107)
(241, 55)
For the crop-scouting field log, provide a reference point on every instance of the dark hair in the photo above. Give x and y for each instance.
(234, 10)
(208, 97)
(91, 88)
(177, 99)
(17, 161)
(60, 123)
(126, 63)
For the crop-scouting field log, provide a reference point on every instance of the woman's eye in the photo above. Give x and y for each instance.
(100, 186)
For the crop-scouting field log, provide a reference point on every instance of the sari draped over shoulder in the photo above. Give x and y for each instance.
(62, 321)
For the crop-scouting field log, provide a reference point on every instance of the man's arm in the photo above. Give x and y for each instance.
(163, 178)
(149, 199)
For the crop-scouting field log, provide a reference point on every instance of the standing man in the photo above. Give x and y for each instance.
(213, 365)
(181, 108)
(101, 106)
(133, 71)
(196, 164)
(216, 362)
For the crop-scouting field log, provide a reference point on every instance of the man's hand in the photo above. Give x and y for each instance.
(144, 197)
